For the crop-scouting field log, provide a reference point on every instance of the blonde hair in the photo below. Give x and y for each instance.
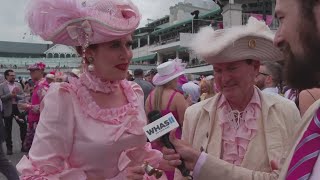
(209, 85)
(158, 92)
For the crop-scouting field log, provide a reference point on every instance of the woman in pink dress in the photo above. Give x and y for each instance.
(91, 127)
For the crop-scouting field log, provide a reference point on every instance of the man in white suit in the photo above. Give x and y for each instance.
(240, 133)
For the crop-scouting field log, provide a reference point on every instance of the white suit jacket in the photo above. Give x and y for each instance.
(277, 125)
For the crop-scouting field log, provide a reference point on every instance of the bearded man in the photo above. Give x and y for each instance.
(299, 38)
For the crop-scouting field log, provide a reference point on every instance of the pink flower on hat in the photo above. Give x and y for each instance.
(37, 66)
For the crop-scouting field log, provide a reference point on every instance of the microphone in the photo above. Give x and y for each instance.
(155, 116)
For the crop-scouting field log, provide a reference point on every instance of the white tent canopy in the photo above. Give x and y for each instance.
(61, 51)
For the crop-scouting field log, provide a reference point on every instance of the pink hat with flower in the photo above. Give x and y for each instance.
(168, 71)
(82, 22)
(37, 66)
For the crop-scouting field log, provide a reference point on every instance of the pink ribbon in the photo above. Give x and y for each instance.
(179, 66)
(80, 32)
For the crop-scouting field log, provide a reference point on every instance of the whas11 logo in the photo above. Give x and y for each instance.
(161, 126)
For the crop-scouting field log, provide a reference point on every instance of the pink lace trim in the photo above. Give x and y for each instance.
(45, 170)
(110, 115)
(38, 175)
(31, 172)
(96, 84)
(129, 117)
(236, 138)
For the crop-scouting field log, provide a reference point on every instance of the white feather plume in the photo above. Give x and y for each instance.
(208, 43)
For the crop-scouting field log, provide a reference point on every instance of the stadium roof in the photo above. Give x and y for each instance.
(21, 49)
(62, 49)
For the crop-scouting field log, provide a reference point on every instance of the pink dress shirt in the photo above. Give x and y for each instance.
(39, 91)
(238, 129)
(77, 140)
(235, 140)
(11, 86)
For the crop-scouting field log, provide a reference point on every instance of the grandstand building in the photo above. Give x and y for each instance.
(170, 36)
(18, 56)
(162, 39)
(22, 50)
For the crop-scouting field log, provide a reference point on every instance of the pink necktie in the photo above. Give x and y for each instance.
(306, 152)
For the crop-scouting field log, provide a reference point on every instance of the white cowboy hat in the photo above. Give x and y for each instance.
(252, 41)
(168, 71)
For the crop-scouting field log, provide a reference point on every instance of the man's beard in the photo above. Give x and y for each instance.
(303, 71)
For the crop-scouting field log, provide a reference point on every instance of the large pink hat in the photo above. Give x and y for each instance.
(168, 71)
(82, 22)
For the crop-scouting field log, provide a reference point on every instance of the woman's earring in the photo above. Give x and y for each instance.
(91, 66)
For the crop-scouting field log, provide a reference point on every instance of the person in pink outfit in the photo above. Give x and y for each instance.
(40, 89)
(91, 127)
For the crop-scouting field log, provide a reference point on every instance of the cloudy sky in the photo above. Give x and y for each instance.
(14, 28)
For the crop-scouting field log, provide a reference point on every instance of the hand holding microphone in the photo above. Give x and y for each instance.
(182, 150)
(160, 128)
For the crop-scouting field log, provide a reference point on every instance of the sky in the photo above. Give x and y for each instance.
(14, 28)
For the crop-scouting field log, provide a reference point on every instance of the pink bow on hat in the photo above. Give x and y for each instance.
(179, 66)
(80, 32)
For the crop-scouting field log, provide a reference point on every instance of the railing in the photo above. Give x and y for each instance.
(193, 28)
(189, 65)
(52, 63)
(197, 64)
(142, 64)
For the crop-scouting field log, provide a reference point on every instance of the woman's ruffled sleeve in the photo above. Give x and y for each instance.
(138, 155)
(52, 144)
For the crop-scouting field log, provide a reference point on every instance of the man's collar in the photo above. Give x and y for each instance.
(255, 99)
